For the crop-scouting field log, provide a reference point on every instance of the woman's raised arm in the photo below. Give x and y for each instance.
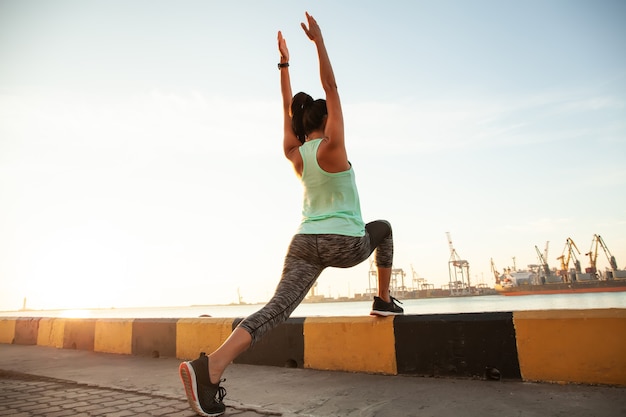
(334, 125)
(290, 140)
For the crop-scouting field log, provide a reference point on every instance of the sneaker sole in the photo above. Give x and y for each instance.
(384, 313)
(188, 376)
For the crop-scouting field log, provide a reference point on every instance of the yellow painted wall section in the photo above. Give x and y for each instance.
(580, 346)
(7, 330)
(51, 332)
(357, 344)
(195, 335)
(114, 336)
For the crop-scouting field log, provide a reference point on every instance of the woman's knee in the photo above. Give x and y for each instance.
(379, 226)
(378, 230)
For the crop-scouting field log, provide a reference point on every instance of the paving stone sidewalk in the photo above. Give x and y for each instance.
(23, 395)
(45, 381)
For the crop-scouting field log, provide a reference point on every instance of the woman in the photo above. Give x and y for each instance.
(332, 232)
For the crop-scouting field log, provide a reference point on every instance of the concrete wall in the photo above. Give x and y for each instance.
(571, 346)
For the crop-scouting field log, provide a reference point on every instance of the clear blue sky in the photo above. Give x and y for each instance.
(140, 142)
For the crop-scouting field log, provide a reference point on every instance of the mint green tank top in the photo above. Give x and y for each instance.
(331, 200)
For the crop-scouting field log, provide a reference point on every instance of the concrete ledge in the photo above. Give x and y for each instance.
(580, 346)
(472, 345)
(26, 330)
(200, 335)
(571, 346)
(114, 336)
(283, 346)
(357, 344)
(7, 330)
(154, 337)
(79, 334)
(51, 332)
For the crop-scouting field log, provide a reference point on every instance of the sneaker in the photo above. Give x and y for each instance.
(382, 308)
(204, 397)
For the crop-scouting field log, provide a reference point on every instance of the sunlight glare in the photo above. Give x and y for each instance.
(75, 314)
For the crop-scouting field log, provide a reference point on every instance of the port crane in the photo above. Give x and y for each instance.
(460, 269)
(566, 256)
(543, 260)
(394, 288)
(593, 255)
(495, 272)
(615, 272)
(397, 290)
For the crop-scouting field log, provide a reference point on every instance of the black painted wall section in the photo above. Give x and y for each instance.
(282, 346)
(154, 337)
(79, 334)
(475, 345)
(26, 330)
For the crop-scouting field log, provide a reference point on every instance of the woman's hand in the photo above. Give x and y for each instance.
(282, 48)
(313, 31)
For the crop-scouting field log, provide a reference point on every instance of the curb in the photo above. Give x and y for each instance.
(564, 346)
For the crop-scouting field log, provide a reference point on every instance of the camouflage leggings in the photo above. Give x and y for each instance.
(307, 257)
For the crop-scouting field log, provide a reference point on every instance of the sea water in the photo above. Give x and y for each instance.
(448, 305)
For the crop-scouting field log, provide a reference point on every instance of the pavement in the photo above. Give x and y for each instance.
(45, 381)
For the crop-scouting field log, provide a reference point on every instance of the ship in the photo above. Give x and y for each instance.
(540, 279)
(529, 282)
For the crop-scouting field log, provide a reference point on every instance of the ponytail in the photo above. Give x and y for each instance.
(298, 104)
(306, 115)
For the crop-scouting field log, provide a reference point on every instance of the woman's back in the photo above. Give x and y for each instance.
(331, 201)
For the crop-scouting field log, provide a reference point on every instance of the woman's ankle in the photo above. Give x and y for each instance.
(215, 370)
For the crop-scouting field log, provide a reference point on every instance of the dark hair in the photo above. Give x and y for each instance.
(306, 114)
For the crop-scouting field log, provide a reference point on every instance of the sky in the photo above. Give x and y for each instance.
(141, 142)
